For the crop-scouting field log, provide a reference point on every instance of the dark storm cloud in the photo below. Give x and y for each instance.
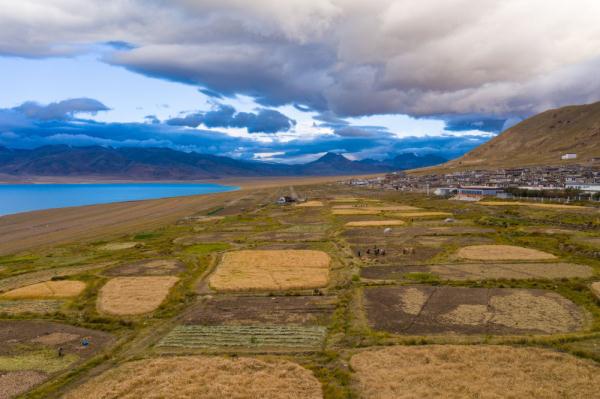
(264, 121)
(60, 110)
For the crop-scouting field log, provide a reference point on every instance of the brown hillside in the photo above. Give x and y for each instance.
(540, 140)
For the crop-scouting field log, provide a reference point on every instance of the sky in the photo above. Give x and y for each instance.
(287, 81)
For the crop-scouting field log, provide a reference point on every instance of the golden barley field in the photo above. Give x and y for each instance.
(134, 295)
(502, 252)
(310, 204)
(271, 270)
(375, 223)
(47, 289)
(484, 371)
(202, 377)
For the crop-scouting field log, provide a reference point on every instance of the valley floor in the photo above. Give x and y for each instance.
(353, 294)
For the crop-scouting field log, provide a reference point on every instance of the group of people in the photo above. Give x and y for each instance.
(374, 251)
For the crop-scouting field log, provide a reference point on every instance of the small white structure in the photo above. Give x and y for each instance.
(387, 230)
(590, 187)
(568, 156)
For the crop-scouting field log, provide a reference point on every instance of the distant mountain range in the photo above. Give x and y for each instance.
(136, 163)
(540, 140)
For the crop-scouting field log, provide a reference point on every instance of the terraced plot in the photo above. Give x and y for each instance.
(481, 271)
(271, 270)
(502, 252)
(202, 377)
(310, 204)
(375, 223)
(421, 310)
(21, 280)
(134, 295)
(47, 289)
(244, 310)
(248, 336)
(151, 267)
(483, 371)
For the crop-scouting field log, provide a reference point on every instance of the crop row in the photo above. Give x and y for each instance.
(30, 306)
(198, 336)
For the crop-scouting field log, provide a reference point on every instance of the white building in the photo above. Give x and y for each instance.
(590, 187)
(569, 156)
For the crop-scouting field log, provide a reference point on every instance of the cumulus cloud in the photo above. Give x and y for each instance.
(500, 59)
(264, 121)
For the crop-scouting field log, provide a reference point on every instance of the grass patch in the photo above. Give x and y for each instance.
(207, 248)
(46, 360)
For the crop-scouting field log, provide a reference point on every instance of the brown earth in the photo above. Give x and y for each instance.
(14, 383)
(470, 311)
(482, 371)
(151, 267)
(482, 271)
(233, 310)
(202, 377)
(375, 223)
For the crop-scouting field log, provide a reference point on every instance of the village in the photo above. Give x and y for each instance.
(576, 180)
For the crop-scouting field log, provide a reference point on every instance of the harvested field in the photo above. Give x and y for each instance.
(14, 383)
(375, 223)
(596, 289)
(271, 270)
(134, 295)
(243, 310)
(310, 204)
(47, 289)
(389, 208)
(502, 252)
(483, 371)
(17, 333)
(357, 211)
(262, 336)
(211, 237)
(152, 267)
(421, 214)
(118, 246)
(21, 280)
(482, 271)
(537, 205)
(38, 306)
(442, 310)
(202, 377)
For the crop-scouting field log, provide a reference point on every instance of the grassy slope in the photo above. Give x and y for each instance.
(539, 140)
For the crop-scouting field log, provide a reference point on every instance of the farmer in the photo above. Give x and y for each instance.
(60, 352)
(85, 342)
(359, 253)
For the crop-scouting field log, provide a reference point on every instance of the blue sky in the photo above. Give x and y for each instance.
(288, 81)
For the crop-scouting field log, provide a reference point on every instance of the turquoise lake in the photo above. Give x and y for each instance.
(16, 198)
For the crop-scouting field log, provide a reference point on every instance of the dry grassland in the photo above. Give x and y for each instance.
(476, 271)
(310, 204)
(355, 211)
(202, 377)
(40, 306)
(596, 289)
(134, 295)
(536, 205)
(271, 270)
(375, 223)
(502, 252)
(452, 371)
(48, 289)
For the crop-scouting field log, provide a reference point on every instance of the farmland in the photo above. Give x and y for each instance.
(341, 296)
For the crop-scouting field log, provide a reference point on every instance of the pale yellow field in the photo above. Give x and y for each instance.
(271, 270)
(535, 204)
(356, 211)
(596, 289)
(482, 371)
(421, 214)
(310, 204)
(48, 289)
(389, 208)
(502, 252)
(134, 295)
(190, 377)
(117, 246)
(375, 223)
